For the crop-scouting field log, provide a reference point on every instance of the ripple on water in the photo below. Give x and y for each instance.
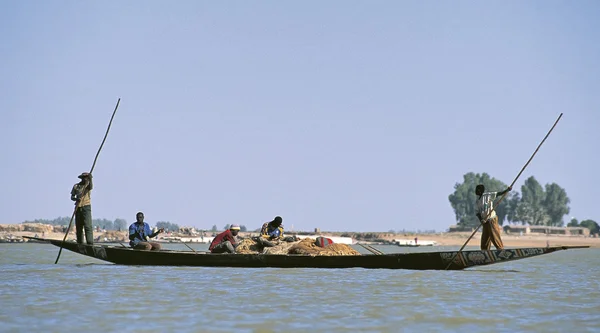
(553, 293)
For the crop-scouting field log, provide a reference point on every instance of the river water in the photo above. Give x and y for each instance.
(558, 292)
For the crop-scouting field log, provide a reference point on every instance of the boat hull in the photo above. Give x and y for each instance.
(414, 261)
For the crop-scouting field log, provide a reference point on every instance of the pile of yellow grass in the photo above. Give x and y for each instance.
(281, 248)
(307, 246)
(247, 246)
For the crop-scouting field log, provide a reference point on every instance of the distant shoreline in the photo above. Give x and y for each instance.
(442, 239)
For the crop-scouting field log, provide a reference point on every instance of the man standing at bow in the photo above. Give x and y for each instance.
(80, 193)
(487, 216)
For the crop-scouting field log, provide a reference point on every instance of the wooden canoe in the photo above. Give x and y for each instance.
(416, 261)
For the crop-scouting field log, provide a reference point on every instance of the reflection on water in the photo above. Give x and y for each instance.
(558, 292)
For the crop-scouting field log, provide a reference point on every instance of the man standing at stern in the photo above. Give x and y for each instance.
(488, 218)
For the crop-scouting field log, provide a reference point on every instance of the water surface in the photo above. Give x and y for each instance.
(559, 292)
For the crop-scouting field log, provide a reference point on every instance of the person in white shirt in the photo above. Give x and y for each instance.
(488, 218)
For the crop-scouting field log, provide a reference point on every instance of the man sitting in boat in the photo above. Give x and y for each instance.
(139, 234)
(225, 242)
(272, 232)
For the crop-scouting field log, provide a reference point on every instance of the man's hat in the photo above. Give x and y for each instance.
(83, 175)
(234, 227)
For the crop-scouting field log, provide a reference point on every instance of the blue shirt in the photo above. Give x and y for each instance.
(140, 231)
(274, 233)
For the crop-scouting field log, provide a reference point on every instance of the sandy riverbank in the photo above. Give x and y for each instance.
(458, 239)
(442, 239)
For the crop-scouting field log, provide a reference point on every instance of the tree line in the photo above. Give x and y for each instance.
(172, 227)
(117, 224)
(225, 227)
(590, 224)
(533, 205)
(122, 225)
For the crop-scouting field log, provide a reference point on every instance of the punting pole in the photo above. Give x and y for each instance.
(504, 195)
(189, 247)
(91, 170)
(371, 249)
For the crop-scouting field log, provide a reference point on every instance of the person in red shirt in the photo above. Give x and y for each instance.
(225, 242)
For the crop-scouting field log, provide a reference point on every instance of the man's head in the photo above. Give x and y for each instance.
(277, 221)
(479, 189)
(235, 229)
(84, 176)
(139, 217)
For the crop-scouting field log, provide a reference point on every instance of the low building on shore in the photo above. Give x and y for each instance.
(460, 228)
(545, 230)
(513, 229)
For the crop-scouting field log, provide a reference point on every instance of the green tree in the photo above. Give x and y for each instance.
(556, 204)
(243, 228)
(573, 223)
(530, 209)
(226, 227)
(463, 200)
(590, 224)
(214, 228)
(512, 202)
(120, 224)
(103, 224)
(539, 206)
(57, 221)
(168, 226)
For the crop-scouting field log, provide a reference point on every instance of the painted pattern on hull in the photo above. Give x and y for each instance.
(486, 257)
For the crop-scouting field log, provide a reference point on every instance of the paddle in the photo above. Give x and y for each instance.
(91, 170)
(504, 195)
(371, 249)
(189, 247)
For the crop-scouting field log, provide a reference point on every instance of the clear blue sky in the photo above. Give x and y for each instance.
(342, 115)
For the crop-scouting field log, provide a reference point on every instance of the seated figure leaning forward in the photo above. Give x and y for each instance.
(139, 234)
(272, 232)
(225, 242)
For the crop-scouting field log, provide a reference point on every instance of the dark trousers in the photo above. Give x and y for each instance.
(491, 234)
(83, 221)
(224, 247)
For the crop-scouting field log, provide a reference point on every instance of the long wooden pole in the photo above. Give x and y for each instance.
(91, 170)
(504, 195)
(189, 247)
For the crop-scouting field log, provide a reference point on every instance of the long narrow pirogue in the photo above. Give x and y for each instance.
(417, 261)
